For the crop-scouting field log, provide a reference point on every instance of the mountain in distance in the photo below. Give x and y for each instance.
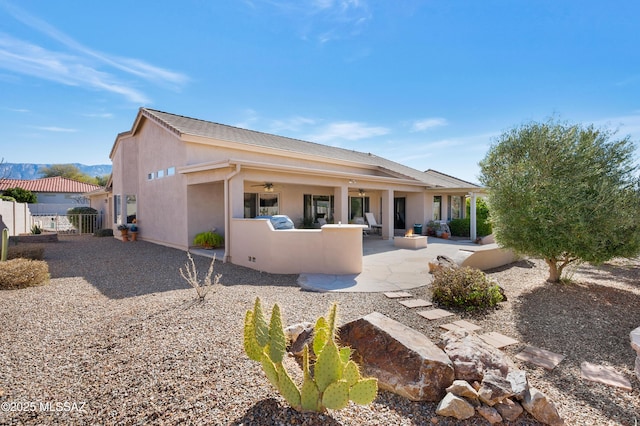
(28, 171)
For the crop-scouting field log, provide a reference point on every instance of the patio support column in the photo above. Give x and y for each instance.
(234, 207)
(341, 207)
(473, 230)
(387, 215)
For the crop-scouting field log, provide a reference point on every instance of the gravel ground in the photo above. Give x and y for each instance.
(117, 338)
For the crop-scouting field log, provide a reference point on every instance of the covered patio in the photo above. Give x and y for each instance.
(387, 268)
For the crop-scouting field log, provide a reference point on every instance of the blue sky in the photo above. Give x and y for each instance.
(429, 84)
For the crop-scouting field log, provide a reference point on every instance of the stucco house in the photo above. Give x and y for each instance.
(55, 194)
(179, 176)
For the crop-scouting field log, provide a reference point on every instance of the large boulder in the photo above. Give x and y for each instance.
(403, 360)
(472, 357)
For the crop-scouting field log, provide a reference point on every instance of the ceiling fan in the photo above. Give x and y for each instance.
(361, 192)
(267, 186)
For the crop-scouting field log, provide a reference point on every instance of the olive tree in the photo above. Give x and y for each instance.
(566, 193)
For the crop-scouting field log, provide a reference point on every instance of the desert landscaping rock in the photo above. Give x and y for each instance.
(454, 406)
(118, 329)
(471, 356)
(635, 345)
(463, 389)
(403, 360)
(537, 403)
(490, 414)
(509, 409)
(494, 388)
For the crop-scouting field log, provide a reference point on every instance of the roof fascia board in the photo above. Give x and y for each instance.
(257, 165)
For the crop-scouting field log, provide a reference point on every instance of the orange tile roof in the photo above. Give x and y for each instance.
(51, 184)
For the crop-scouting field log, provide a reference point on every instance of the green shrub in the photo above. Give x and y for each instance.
(35, 229)
(466, 288)
(88, 218)
(460, 227)
(208, 239)
(26, 251)
(21, 195)
(7, 198)
(108, 232)
(21, 273)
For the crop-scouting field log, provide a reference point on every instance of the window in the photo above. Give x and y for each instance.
(250, 205)
(437, 207)
(117, 217)
(260, 204)
(318, 207)
(455, 206)
(269, 204)
(160, 174)
(171, 171)
(358, 206)
(150, 176)
(132, 208)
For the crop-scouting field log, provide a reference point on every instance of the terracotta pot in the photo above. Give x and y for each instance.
(134, 236)
(125, 235)
(445, 235)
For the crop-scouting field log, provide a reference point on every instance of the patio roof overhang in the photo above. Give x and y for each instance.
(308, 171)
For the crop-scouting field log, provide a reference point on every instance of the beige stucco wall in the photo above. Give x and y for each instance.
(333, 249)
(163, 201)
(205, 208)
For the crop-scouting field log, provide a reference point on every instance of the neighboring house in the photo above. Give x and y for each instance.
(55, 194)
(180, 176)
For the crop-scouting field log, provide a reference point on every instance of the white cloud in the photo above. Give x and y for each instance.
(625, 125)
(56, 129)
(428, 123)
(293, 124)
(78, 65)
(346, 130)
(99, 115)
(322, 20)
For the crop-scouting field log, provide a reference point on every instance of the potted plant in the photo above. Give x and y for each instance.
(124, 232)
(432, 228)
(208, 240)
(134, 230)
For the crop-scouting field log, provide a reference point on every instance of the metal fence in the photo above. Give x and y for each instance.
(72, 224)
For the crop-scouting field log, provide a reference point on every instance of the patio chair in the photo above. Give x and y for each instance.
(371, 220)
(360, 221)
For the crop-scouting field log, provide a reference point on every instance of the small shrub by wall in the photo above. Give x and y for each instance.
(26, 251)
(107, 232)
(465, 288)
(21, 273)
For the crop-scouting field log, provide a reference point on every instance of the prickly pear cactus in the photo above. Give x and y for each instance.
(336, 379)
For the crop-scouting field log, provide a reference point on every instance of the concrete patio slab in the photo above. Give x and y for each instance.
(386, 268)
(415, 303)
(540, 357)
(605, 375)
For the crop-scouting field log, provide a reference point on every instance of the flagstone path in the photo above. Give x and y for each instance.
(530, 354)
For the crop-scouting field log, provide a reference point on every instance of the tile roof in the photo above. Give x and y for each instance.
(57, 184)
(185, 125)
